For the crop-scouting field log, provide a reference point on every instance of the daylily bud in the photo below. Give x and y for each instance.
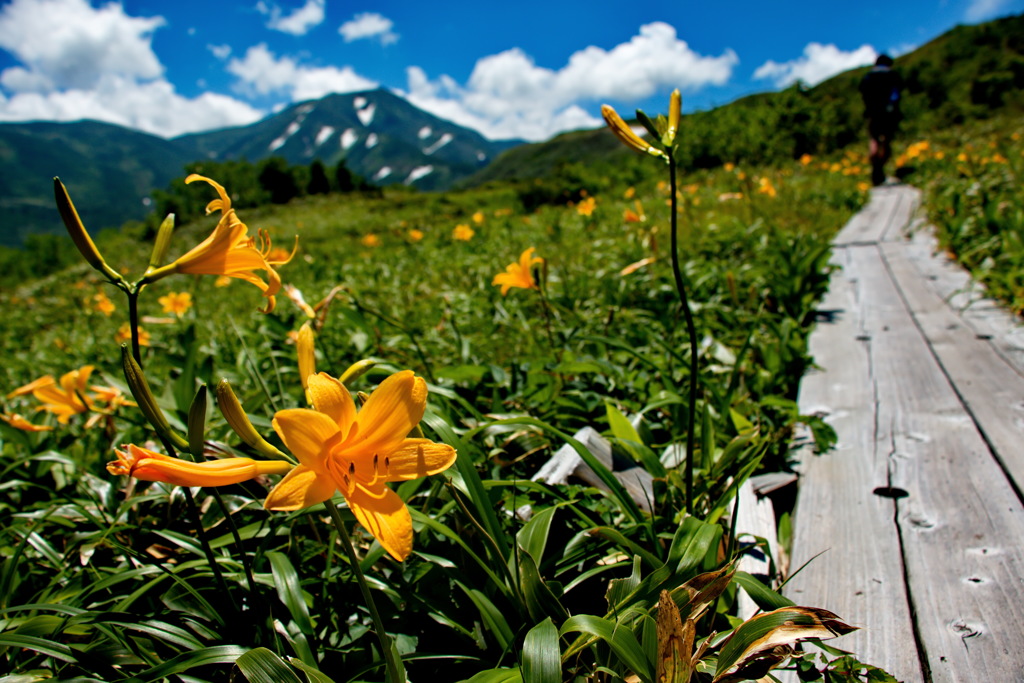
(142, 463)
(197, 422)
(675, 106)
(624, 133)
(356, 370)
(163, 242)
(79, 235)
(306, 351)
(143, 396)
(234, 414)
(647, 123)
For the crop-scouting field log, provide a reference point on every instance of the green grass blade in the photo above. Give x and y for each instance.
(542, 656)
(263, 666)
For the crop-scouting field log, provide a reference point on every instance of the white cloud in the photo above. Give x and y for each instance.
(299, 22)
(508, 95)
(263, 72)
(982, 10)
(72, 45)
(817, 63)
(79, 62)
(369, 25)
(220, 51)
(152, 106)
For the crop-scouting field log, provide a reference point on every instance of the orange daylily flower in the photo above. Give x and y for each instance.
(19, 422)
(69, 398)
(357, 453)
(228, 250)
(26, 389)
(463, 232)
(103, 304)
(176, 302)
(586, 206)
(519, 274)
(370, 240)
(148, 465)
(124, 334)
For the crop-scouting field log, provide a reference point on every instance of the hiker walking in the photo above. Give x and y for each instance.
(880, 89)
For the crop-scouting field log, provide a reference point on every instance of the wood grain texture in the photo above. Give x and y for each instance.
(858, 572)
(929, 409)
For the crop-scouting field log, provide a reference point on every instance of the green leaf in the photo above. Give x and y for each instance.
(496, 676)
(263, 666)
(313, 675)
(765, 597)
(289, 590)
(540, 600)
(619, 638)
(533, 537)
(542, 656)
(493, 617)
(220, 654)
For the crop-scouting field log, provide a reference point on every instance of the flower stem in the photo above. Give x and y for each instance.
(133, 322)
(394, 668)
(691, 331)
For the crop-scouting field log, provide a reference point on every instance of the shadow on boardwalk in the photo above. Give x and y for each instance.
(917, 513)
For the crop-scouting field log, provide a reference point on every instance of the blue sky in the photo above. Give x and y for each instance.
(521, 69)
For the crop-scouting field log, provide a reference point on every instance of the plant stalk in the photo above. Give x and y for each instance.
(393, 668)
(691, 331)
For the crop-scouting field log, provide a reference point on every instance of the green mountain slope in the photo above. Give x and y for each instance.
(968, 73)
(108, 169)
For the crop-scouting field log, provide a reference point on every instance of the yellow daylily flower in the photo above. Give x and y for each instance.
(519, 274)
(227, 251)
(357, 453)
(148, 465)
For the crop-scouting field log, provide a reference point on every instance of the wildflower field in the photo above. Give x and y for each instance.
(300, 443)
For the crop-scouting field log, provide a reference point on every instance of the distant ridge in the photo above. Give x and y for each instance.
(110, 170)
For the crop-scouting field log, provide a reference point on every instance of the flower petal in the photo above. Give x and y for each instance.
(307, 433)
(417, 458)
(384, 515)
(393, 409)
(300, 488)
(331, 398)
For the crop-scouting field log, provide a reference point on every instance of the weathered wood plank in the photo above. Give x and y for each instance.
(960, 521)
(966, 297)
(991, 388)
(859, 573)
(869, 225)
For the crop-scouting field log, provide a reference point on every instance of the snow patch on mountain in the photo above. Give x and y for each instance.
(442, 141)
(424, 133)
(383, 173)
(348, 138)
(371, 141)
(323, 135)
(291, 130)
(364, 110)
(417, 173)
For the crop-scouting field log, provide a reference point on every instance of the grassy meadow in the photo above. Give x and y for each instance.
(105, 577)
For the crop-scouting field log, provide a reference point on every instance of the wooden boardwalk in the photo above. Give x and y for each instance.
(916, 517)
